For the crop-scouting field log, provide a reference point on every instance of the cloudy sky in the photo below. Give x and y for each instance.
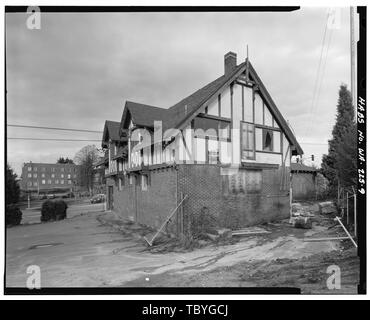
(78, 69)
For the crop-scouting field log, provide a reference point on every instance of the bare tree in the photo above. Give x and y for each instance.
(87, 157)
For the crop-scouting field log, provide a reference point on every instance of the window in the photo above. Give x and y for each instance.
(62, 175)
(69, 182)
(130, 179)
(43, 181)
(267, 142)
(69, 176)
(120, 183)
(43, 169)
(244, 182)
(61, 181)
(53, 175)
(29, 183)
(56, 181)
(35, 184)
(29, 168)
(247, 141)
(42, 175)
(35, 169)
(214, 128)
(49, 181)
(35, 175)
(52, 169)
(61, 169)
(29, 175)
(74, 176)
(144, 182)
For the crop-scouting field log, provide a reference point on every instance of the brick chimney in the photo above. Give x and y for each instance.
(230, 62)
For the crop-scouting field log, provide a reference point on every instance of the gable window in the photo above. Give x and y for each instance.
(267, 142)
(247, 141)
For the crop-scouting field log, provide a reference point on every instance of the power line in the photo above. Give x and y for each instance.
(52, 139)
(317, 78)
(52, 128)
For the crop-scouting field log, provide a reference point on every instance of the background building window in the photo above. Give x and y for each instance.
(43, 181)
(61, 181)
(29, 175)
(35, 175)
(29, 168)
(53, 175)
(42, 175)
(56, 181)
(49, 181)
(62, 175)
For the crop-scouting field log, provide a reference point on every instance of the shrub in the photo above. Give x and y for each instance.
(53, 210)
(203, 223)
(13, 215)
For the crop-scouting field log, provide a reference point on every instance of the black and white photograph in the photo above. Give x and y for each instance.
(209, 149)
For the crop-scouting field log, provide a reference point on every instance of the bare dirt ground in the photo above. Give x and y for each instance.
(98, 249)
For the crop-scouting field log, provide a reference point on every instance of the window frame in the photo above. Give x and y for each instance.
(219, 120)
(241, 141)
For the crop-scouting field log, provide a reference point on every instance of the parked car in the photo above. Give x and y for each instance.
(42, 196)
(51, 196)
(98, 198)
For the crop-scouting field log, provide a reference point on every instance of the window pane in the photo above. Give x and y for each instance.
(267, 140)
(247, 142)
(205, 127)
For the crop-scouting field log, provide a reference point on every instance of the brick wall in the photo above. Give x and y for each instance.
(150, 207)
(208, 191)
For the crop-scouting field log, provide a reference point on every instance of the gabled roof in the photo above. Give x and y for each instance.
(180, 114)
(143, 115)
(111, 131)
(195, 100)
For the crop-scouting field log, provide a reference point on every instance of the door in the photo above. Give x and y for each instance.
(110, 197)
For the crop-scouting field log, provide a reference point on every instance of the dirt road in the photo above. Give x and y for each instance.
(87, 251)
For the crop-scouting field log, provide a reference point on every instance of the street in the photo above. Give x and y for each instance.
(30, 216)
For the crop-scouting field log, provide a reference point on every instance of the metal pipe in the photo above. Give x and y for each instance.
(345, 230)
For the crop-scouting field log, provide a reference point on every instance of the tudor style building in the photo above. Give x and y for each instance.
(226, 148)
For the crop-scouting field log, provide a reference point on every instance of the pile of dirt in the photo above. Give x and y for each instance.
(309, 273)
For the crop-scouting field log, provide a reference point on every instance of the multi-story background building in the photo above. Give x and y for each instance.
(44, 177)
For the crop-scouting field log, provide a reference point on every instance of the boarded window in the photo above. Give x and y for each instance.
(244, 182)
(247, 141)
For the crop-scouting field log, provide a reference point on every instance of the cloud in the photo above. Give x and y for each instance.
(78, 70)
